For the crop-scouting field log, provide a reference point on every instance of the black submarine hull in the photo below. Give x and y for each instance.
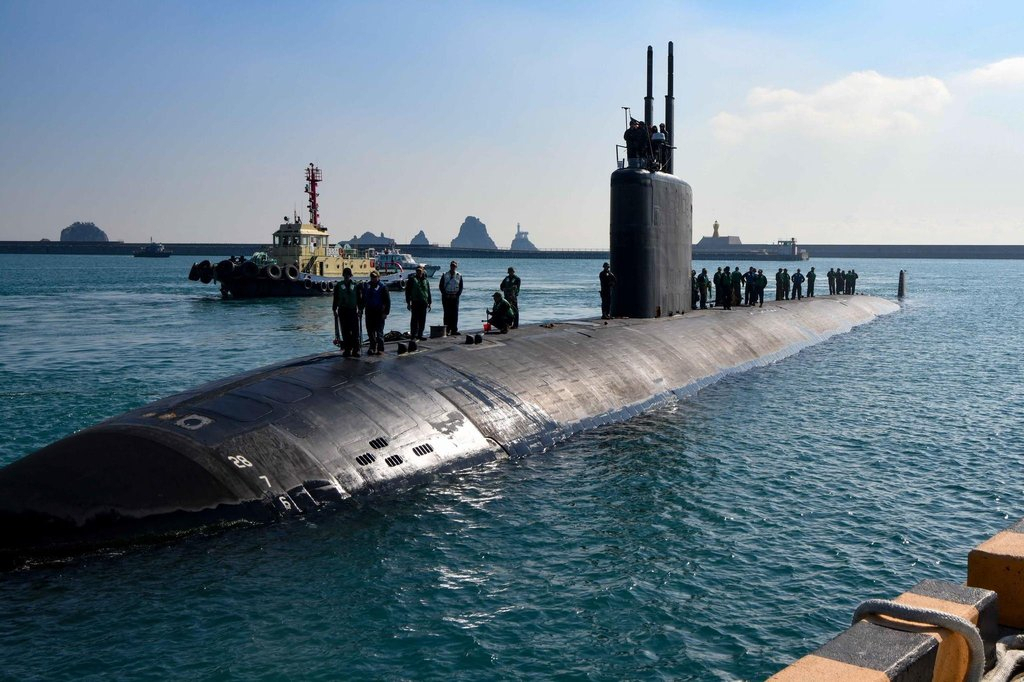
(323, 430)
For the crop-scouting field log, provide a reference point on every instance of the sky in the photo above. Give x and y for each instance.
(858, 122)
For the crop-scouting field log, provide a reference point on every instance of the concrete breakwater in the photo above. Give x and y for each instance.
(950, 251)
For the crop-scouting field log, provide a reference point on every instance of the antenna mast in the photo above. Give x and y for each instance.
(313, 176)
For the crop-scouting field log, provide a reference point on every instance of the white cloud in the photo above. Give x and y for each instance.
(1004, 73)
(864, 104)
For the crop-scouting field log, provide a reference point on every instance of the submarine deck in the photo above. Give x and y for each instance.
(292, 437)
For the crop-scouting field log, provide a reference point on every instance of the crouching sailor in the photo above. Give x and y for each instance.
(347, 303)
(503, 314)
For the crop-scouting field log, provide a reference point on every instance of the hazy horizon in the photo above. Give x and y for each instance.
(865, 123)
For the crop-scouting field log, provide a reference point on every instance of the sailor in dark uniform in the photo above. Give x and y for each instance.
(502, 315)
(377, 306)
(510, 290)
(607, 282)
(347, 303)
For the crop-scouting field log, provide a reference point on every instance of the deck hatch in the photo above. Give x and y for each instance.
(365, 458)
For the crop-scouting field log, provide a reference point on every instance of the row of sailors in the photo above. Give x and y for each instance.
(731, 287)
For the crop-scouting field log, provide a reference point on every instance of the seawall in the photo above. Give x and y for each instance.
(951, 251)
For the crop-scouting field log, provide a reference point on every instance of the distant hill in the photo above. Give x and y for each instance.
(369, 239)
(473, 235)
(83, 232)
(420, 239)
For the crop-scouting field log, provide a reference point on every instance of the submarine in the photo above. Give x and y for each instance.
(325, 431)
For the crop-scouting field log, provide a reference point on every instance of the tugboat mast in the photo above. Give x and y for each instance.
(313, 176)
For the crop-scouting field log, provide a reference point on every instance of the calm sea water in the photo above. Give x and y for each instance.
(716, 538)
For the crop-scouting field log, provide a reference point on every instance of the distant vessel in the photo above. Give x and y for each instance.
(152, 250)
(392, 261)
(300, 262)
(728, 248)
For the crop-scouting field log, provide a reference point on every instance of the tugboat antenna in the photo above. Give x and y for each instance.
(313, 176)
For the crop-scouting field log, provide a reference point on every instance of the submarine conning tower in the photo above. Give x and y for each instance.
(651, 241)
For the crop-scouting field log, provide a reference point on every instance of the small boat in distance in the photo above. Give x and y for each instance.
(152, 250)
(391, 261)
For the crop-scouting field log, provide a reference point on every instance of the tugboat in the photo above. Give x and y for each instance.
(300, 262)
(152, 250)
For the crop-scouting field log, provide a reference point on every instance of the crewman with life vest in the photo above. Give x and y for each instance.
(417, 299)
(347, 297)
(451, 289)
(377, 306)
(510, 290)
(810, 282)
(502, 315)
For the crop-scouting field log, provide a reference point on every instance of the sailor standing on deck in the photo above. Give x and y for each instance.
(778, 285)
(718, 287)
(347, 297)
(417, 299)
(451, 289)
(607, 282)
(810, 282)
(798, 284)
(377, 304)
(750, 286)
(727, 289)
(702, 288)
(831, 281)
(510, 290)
